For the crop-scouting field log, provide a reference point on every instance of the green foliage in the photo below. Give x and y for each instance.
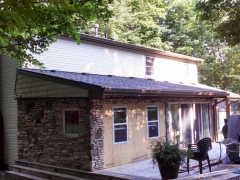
(29, 26)
(224, 15)
(165, 153)
(223, 70)
(134, 22)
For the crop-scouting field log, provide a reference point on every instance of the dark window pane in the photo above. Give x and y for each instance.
(153, 129)
(119, 115)
(152, 113)
(120, 133)
(71, 122)
(149, 70)
(149, 61)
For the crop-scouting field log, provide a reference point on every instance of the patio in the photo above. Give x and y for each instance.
(144, 169)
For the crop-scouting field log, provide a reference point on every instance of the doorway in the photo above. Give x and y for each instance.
(189, 120)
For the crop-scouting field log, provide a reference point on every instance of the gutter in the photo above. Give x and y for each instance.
(126, 92)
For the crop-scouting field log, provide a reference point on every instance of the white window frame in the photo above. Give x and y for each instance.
(153, 70)
(113, 125)
(185, 70)
(64, 122)
(152, 121)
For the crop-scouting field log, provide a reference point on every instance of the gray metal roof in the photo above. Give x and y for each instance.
(115, 84)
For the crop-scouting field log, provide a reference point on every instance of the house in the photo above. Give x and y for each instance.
(99, 104)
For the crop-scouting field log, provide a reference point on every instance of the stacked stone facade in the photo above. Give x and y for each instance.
(96, 135)
(41, 138)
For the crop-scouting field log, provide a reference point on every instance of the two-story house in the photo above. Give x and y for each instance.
(98, 104)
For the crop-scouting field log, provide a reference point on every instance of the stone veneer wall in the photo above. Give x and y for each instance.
(41, 138)
(96, 132)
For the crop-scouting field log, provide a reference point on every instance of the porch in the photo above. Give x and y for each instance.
(144, 169)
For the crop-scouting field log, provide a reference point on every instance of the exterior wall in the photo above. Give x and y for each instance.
(95, 58)
(30, 87)
(8, 107)
(41, 137)
(137, 146)
(174, 70)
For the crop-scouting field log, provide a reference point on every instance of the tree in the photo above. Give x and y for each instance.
(226, 13)
(28, 27)
(134, 22)
(187, 34)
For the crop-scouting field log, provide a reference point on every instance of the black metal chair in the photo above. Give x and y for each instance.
(200, 152)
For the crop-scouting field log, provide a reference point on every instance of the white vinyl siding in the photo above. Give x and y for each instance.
(175, 70)
(31, 87)
(97, 58)
(94, 58)
(8, 107)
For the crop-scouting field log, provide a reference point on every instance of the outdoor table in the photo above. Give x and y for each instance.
(227, 142)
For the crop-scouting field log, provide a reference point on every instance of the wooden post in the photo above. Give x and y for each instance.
(227, 108)
(167, 121)
(215, 121)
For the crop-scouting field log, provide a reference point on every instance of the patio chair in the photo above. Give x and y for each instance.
(200, 152)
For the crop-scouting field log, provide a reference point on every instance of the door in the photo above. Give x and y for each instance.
(186, 123)
(190, 121)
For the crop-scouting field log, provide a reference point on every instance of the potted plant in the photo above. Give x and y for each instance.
(168, 156)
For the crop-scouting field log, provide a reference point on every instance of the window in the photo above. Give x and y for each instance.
(149, 66)
(120, 124)
(152, 118)
(71, 122)
(185, 70)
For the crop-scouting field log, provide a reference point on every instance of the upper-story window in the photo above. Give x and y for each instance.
(184, 70)
(149, 66)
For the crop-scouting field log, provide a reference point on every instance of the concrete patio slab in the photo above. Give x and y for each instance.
(145, 168)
